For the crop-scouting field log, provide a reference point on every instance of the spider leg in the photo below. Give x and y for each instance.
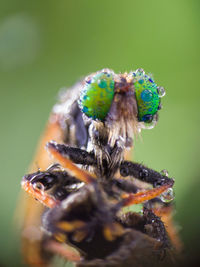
(124, 185)
(144, 174)
(166, 215)
(128, 199)
(159, 226)
(80, 174)
(140, 197)
(165, 212)
(147, 175)
(77, 155)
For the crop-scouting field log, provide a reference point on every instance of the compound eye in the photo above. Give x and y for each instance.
(97, 95)
(147, 94)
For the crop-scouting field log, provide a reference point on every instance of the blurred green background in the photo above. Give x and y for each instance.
(45, 45)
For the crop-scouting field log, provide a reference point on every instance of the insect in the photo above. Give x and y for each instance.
(93, 126)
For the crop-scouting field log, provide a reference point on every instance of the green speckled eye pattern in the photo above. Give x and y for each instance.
(147, 96)
(97, 95)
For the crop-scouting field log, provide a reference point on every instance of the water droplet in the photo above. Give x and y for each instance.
(133, 74)
(102, 83)
(167, 196)
(140, 71)
(164, 172)
(149, 126)
(161, 91)
(39, 186)
(88, 80)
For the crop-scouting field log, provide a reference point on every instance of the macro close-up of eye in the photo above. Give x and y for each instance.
(148, 95)
(97, 95)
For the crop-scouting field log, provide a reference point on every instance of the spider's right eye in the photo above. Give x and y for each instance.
(97, 95)
(148, 96)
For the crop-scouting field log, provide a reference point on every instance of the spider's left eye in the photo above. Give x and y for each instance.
(97, 95)
(147, 95)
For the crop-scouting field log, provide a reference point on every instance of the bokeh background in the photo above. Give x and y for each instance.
(45, 45)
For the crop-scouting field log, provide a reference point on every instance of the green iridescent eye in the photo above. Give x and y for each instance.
(97, 95)
(147, 95)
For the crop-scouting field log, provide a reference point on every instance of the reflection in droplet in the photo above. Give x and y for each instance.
(161, 91)
(167, 196)
(19, 41)
(140, 72)
(149, 125)
(39, 186)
